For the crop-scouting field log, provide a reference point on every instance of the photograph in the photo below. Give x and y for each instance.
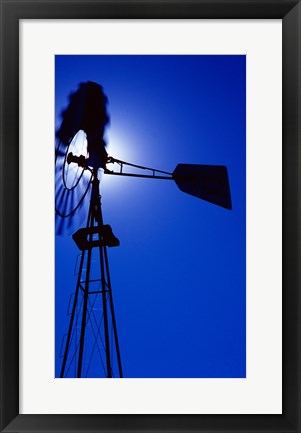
(150, 216)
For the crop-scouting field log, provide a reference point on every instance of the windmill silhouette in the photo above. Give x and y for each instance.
(79, 158)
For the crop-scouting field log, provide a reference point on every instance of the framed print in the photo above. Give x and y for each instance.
(161, 294)
(150, 216)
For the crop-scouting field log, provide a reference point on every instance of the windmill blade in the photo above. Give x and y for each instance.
(208, 182)
(69, 221)
(60, 152)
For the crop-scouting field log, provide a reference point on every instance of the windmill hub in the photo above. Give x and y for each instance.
(81, 161)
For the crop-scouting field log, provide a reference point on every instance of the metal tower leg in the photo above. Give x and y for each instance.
(107, 295)
(74, 352)
(113, 313)
(71, 323)
(67, 346)
(84, 315)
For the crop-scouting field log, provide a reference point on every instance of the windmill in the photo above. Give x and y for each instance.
(79, 159)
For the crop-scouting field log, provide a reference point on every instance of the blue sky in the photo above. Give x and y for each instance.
(179, 275)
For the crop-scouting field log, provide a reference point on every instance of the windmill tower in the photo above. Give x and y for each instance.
(80, 155)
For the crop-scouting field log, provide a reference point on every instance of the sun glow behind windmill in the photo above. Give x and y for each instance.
(80, 156)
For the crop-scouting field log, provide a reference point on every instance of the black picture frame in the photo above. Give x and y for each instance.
(289, 11)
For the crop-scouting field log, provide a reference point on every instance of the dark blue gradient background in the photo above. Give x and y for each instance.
(179, 275)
